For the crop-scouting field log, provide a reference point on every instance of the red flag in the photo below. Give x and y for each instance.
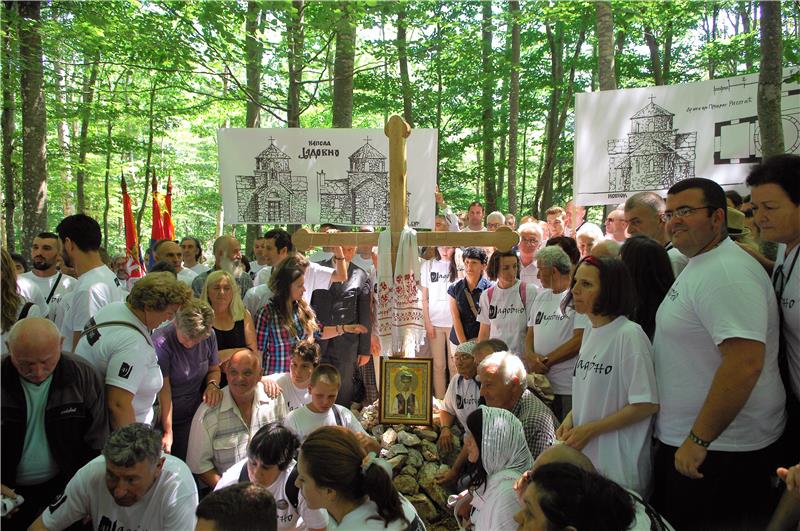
(157, 232)
(133, 264)
(168, 226)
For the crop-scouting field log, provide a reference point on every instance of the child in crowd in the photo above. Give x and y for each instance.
(323, 410)
(295, 383)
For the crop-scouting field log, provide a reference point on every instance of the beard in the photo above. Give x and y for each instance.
(41, 264)
(234, 267)
(67, 260)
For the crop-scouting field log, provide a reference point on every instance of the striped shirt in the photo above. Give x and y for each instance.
(276, 341)
(538, 422)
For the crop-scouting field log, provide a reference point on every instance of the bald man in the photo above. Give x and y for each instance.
(228, 257)
(170, 252)
(54, 417)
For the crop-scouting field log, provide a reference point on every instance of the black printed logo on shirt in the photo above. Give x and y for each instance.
(57, 503)
(495, 312)
(125, 370)
(436, 277)
(586, 367)
(462, 402)
(673, 294)
(93, 335)
(539, 316)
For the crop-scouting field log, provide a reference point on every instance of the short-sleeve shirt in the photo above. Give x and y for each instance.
(303, 421)
(529, 274)
(295, 397)
(538, 422)
(787, 272)
(169, 504)
(461, 397)
(506, 316)
(124, 356)
(95, 289)
(186, 276)
(435, 277)
(469, 322)
(256, 298)
(185, 368)
(721, 294)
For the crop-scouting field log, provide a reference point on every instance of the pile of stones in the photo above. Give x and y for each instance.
(416, 461)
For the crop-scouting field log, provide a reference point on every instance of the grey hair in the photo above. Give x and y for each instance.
(14, 331)
(591, 230)
(195, 319)
(608, 248)
(509, 365)
(132, 444)
(554, 256)
(651, 200)
(531, 226)
(496, 215)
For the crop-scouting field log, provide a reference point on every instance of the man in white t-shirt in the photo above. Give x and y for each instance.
(192, 253)
(474, 218)
(170, 252)
(260, 262)
(530, 240)
(131, 486)
(52, 283)
(716, 364)
(295, 383)
(97, 285)
(643, 213)
(324, 411)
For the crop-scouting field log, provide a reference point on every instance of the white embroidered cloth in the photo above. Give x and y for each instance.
(400, 323)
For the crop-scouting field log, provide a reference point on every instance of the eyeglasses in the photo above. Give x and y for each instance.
(681, 212)
(459, 357)
(531, 241)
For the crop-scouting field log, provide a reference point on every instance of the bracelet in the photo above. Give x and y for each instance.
(698, 441)
(212, 382)
(338, 258)
(445, 428)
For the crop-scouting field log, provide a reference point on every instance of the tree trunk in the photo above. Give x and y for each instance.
(487, 114)
(62, 129)
(295, 42)
(402, 57)
(107, 207)
(769, 80)
(8, 125)
(253, 56)
(86, 116)
(439, 88)
(343, 68)
(150, 132)
(655, 56)
(34, 125)
(744, 13)
(605, 46)
(513, 107)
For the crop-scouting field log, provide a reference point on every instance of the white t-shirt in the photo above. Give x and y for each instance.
(169, 504)
(186, 276)
(366, 518)
(95, 289)
(614, 369)
(45, 284)
(496, 503)
(262, 277)
(255, 267)
(678, 261)
(723, 293)
(256, 298)
(31, 292)
(33, 311)
(316, 277)
(506, 315)
(289, 518)
(124, 357)
(295, 397)
(363, 263)
(461, 397)
(435, 277)
(790, 307)
(199, 268)
(528, 274)
(551, 329)
(303, 421)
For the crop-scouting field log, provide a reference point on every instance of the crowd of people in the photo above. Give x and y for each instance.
(640, 375)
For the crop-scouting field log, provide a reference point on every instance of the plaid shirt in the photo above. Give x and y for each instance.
(537, 421)
(276, 341)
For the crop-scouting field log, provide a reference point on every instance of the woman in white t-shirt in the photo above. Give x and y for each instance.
(496, 445)
(614, 393)
(355, 488)
(437, 274)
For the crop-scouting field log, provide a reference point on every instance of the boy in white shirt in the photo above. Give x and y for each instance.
(323, 410)
(295, 384)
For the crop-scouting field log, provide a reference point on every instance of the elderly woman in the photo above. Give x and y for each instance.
(187, 354)
(554, 337)
(586, 237)
(614, 393)
(497, 448)
(117, 342)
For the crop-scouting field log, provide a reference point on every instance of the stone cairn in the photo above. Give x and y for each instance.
(415, 460)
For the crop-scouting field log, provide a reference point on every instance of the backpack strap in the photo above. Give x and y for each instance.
(94, 327)
(290, 489)
(489, 293)
(523, 293)
(339, 421)
(24, 312)
(55, 286)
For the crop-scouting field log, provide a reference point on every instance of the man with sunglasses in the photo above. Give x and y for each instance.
(716, 352)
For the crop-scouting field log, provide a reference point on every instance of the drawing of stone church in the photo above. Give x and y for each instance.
(362, 195)
(271, 194)
(654, 156)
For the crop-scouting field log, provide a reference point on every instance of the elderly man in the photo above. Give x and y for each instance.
(54, 417)
(530, 240)
(170, 252)
(504, 384)
(495, 220)
(130, 486)
(716, 364)
(576, 216)
(616, 225)
(219, 434)
(227, 256)
(643, 213)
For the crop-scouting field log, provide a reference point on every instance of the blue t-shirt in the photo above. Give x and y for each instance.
(469, 321)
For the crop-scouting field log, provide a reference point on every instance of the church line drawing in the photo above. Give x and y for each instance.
(654, 156)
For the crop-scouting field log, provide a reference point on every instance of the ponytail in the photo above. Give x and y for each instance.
(377, 484)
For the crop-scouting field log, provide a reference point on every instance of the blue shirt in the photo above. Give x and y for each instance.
(469, 321)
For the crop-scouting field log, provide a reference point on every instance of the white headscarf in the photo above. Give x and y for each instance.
(503, 443)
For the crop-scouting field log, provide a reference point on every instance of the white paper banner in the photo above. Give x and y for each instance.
(631, 140)
(340, 176)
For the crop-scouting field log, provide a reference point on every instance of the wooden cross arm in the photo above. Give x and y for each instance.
(503, 239)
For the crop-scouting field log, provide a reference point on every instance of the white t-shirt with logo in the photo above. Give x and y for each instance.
(790, 308)
(461, 397)
(289, 518)
(45, 284)
(721, 294)
(124, 357)
(614, 369)
(95, 289)
(30, 292)
(303, 421)
(551, 329)
(506, 315)
(435, 277)
(169, 504)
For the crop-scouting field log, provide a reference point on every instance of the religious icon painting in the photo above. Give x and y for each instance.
(406, 391)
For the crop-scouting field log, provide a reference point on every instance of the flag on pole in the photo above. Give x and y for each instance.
(157, 232)
(133, 256)
(169, 227)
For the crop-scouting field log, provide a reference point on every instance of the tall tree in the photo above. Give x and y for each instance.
(487, 109)
(513, 107)
(34, 124)
(89, 80)
(605, 46)
(343, 64)
(402, 57)
(295, 41)
(8, 125)
(148, 158)
(254, 53)
(769, 80)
